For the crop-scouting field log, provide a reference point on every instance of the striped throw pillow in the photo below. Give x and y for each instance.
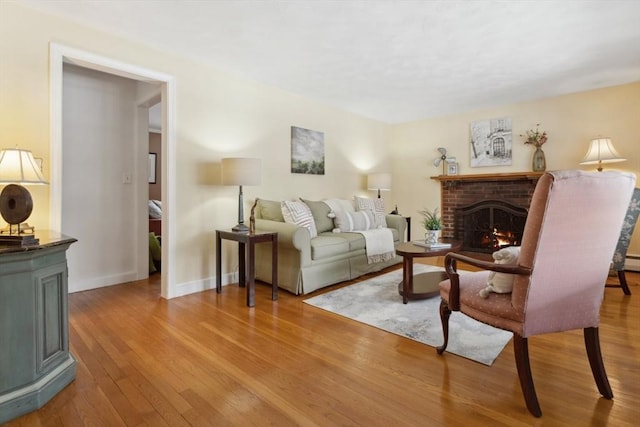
(376, 206)
(297, 212)
(354, 221)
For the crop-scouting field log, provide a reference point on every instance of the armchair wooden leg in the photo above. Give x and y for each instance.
(623, 282)
(592, 343)
(445, 313)
(521, 351)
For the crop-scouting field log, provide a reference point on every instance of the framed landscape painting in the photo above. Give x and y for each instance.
(307, 151)
(491, 142)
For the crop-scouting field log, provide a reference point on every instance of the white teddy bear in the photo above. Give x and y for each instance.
(501, 283)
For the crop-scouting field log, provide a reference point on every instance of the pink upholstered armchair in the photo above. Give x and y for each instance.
(572, 227)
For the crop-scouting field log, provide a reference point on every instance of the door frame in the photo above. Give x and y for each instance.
(58, 55)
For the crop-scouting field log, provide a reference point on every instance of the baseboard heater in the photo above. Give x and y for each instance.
(632, 262)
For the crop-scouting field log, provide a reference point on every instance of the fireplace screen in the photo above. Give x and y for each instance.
(491, 225)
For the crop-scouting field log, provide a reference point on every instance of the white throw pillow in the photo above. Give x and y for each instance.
(501, 283)
(342, 205)
(297, 212)
(374, 205)
(354, 221)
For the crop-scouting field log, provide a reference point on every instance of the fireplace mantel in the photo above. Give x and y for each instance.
(487, 177)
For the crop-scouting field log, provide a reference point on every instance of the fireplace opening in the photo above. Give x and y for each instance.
(491, 225)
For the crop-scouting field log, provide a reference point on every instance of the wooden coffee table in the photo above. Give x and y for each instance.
(423, 285)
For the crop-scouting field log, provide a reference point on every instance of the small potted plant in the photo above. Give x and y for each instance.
(432, 223)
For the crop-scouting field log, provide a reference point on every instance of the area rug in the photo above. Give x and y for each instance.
(376, 302)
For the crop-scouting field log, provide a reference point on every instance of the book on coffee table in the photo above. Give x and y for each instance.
(439, 245)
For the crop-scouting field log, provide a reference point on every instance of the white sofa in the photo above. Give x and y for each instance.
(306, 264)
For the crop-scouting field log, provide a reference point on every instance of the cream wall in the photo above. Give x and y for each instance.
(571, 121)
(218, 115)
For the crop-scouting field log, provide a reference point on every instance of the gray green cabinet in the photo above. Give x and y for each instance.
(35, 362)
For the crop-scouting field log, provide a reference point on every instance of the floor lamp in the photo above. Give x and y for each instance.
(241, 171)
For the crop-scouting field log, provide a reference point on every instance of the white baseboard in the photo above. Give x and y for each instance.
(202, 285)
(632, 263)
(101, 282)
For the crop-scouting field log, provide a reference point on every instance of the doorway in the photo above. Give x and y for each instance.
(91, 227)
(154, 196)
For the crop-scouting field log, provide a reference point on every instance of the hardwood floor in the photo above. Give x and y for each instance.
(208, 360)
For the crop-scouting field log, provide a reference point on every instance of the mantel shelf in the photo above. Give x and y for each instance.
(517, 176)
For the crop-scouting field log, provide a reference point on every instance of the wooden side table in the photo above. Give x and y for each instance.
(247, 261)
(423, 285)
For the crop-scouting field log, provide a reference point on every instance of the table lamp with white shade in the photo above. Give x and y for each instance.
(17, 166)
(601, 150)
(241, 171)
(379, 182)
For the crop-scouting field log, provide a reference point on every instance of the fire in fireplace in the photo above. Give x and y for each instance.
(490, 225)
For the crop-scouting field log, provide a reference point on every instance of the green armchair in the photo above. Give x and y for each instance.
(155, 252)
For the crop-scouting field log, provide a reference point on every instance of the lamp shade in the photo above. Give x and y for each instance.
(19, 167)
(379, 181)
(601, 150)
(241, 171)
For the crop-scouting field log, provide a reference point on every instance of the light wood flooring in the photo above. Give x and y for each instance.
(208, 360)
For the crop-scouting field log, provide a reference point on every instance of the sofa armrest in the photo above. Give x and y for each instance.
(290, 236)
(399, 223)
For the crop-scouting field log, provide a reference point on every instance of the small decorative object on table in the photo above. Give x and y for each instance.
(437, 245)
(537, 139)
(252, 218)
(432, 223)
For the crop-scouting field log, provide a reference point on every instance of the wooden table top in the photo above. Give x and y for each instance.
(409, 249)
(47, 238)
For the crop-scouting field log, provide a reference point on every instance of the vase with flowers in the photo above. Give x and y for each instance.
(537, 138)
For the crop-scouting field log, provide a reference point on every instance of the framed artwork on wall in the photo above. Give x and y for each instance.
(307, 151)
(491, 142)
(153, 159)
(452, 169)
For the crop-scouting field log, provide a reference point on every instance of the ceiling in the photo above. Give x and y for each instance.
(390, 60)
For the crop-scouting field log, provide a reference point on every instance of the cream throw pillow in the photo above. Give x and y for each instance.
(340, 205)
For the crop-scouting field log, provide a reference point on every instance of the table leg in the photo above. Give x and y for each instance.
(407, 278)
(251, 273)
(274, 268)
(242, 269)
(218, 264)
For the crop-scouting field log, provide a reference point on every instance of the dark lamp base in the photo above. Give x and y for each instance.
(18, 240)
(18, 229)
(240, 228)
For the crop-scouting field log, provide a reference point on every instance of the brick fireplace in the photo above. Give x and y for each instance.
(508, 193)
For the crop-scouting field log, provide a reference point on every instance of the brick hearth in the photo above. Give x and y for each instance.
(458, 191)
